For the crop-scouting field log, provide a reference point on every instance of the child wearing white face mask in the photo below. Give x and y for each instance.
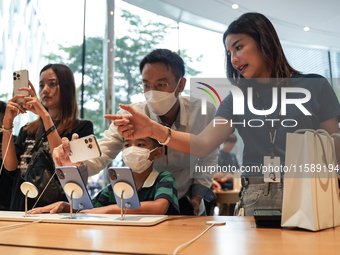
(157, 192)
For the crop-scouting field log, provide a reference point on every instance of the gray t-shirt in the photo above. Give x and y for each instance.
(323, 106)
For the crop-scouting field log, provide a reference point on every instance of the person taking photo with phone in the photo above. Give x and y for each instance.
(31, 152)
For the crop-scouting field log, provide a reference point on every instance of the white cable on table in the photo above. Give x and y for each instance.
(193, 240)
(26, 223)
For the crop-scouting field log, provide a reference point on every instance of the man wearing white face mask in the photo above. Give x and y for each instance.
(157, 192)
(162, 81)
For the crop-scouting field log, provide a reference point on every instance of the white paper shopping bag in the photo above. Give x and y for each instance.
(311, 193)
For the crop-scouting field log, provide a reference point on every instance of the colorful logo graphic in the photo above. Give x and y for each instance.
(207, 91)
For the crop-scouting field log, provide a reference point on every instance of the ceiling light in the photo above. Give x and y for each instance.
(234, 6)
(306, 29)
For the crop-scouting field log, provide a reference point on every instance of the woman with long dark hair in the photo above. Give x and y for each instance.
(58, 117)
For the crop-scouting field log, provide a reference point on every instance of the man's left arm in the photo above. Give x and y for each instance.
(203, 177)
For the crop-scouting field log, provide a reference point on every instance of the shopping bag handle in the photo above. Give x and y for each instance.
(319, 132)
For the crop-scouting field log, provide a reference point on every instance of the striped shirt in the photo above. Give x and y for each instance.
(157, 185)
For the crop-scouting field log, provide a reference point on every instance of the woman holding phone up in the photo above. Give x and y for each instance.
(58, 117)
(254, 58)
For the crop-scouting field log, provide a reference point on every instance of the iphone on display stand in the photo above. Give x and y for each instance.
(122, 179)
(69, 178)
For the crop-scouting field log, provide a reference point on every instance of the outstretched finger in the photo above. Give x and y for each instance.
(128, 108)
(116, 117)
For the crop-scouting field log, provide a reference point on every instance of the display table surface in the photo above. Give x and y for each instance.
(238, 236)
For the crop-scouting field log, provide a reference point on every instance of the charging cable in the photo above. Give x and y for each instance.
(43, 191)
(16, 225)
(9, 141)
(211, 223)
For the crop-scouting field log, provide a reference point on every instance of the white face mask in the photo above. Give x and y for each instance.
(137, 158)
(160, 101)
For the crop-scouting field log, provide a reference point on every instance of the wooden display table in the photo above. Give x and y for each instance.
(238, 236)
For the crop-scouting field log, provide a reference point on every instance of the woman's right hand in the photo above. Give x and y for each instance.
(12, 110)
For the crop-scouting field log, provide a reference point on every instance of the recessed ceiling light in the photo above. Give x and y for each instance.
(234, 6)
(306, 29)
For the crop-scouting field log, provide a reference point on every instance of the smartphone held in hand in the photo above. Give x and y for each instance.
(20, 80)
(84, 148)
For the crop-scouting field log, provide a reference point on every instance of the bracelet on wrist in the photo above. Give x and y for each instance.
(50, 130)
(7, 130)
(167, 138)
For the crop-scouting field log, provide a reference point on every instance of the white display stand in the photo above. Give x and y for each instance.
(73, 190)
(85, 219)
(29, 190)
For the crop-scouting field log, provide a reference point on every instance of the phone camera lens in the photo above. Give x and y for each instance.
(14, 78)
(14, 74)
(86, 141)
(58, 172)
(113, 178)
(90, 140)
(61, 177)
(90, 146)
(18, 75)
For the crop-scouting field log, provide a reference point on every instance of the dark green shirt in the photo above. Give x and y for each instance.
(156, 186)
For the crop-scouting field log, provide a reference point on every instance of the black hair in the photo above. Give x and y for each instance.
(263, 32)
(155, 143)
(167, 57)
(68, 115)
